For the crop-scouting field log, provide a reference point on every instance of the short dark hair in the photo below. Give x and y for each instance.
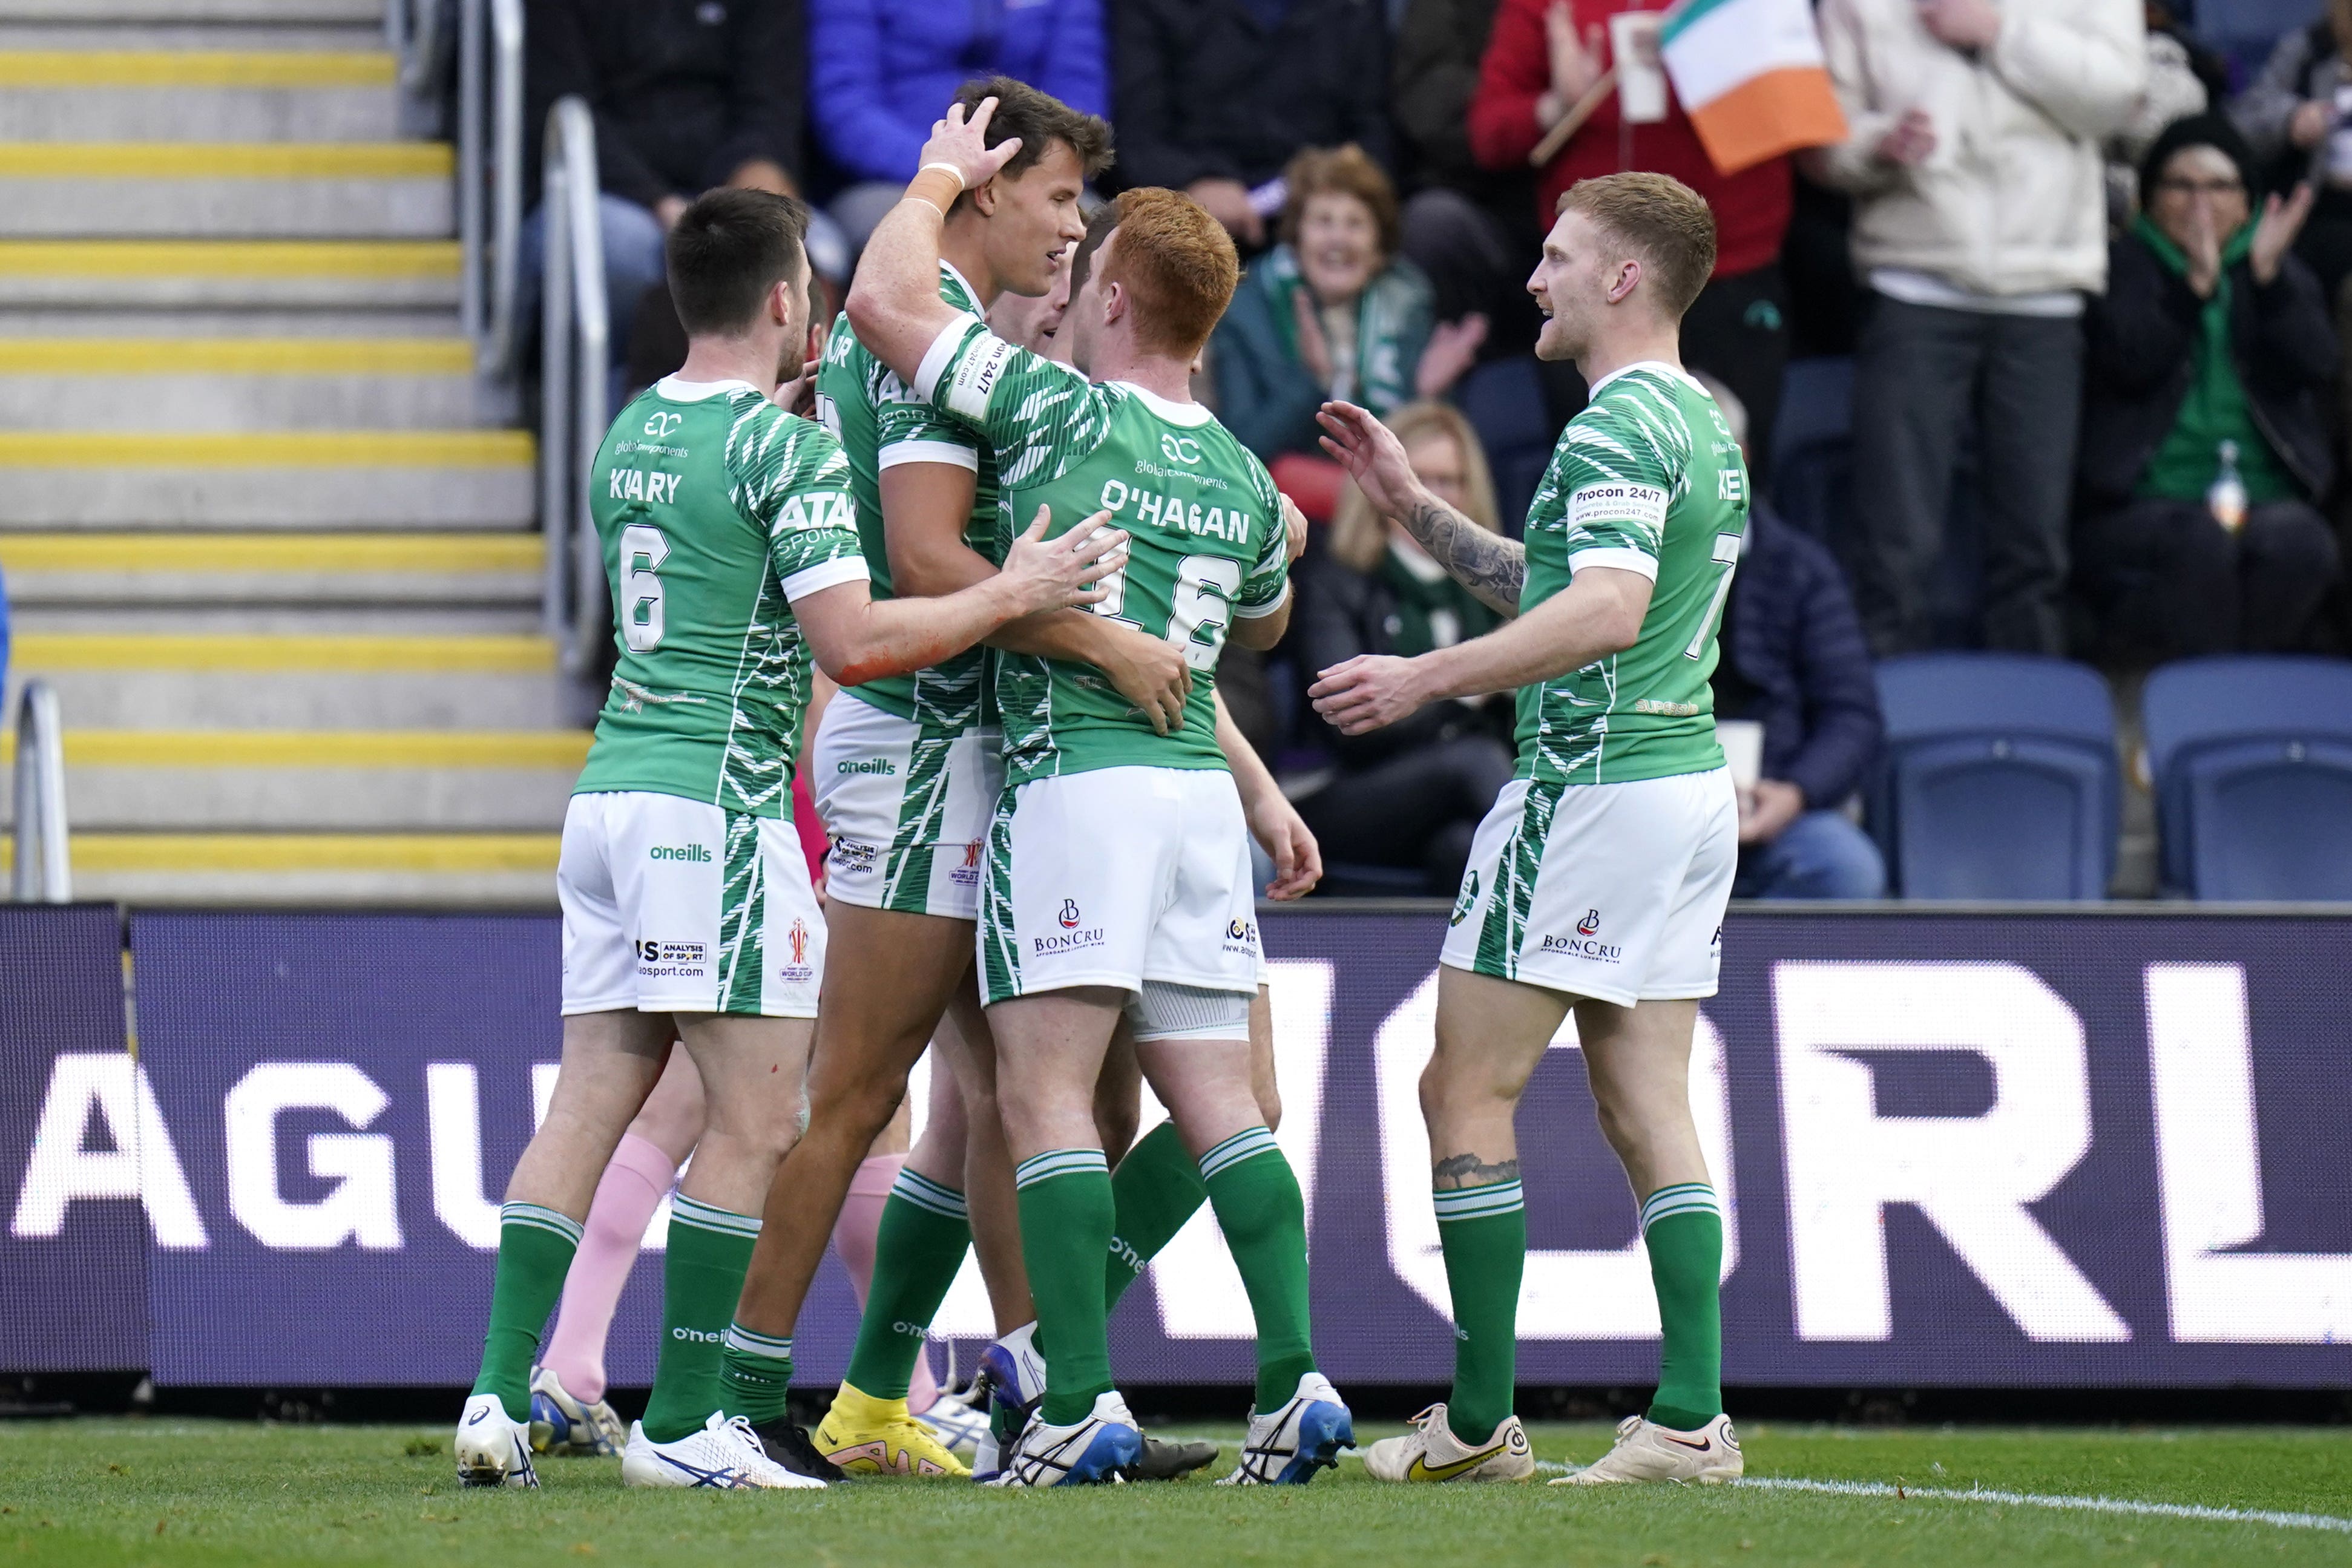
(1040, 120)
(728, 249)
(1099, 223)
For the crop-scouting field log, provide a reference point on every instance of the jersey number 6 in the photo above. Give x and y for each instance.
(641, 587)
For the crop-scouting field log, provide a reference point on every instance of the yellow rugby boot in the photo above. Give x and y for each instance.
(871, 1436)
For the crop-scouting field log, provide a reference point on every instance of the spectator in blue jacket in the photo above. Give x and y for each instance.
(1792, 658)
(882, 71)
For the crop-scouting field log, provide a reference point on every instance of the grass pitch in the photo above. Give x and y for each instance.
(171, 1491)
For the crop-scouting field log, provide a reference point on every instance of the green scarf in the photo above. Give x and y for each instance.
(2215, 408)
(1390, 327)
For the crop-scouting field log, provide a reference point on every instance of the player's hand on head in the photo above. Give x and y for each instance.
(1368, 692)
(960, 143)
(1055, 574)
(1371, 454)
(1152, 675)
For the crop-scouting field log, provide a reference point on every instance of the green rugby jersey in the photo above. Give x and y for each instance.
(1208, 541)
(716, 509)
(880, 425)
(1646, 478)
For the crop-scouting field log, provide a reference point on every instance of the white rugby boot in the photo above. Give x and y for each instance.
(1431, 1452)
(492, 1451)
(1101, 1449)
(1288, 1445)
(725, 1456)
(563, 1423)
(1646, 1451)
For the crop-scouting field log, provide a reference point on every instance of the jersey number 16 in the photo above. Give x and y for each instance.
(1200, 606)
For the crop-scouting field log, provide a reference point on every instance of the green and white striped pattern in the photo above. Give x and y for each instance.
(1478, 1202)
(999, 943)
(542, 1218)
(685, 1210)
(1505, 928)
(906, 869)
(1684, 1197)
(924, 1193)
(743, 1342)
(742, 918)
(1247, 1144)
(1059, 1162)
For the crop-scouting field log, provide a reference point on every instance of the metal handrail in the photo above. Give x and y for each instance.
(575, 362)
(44, 870)
(489, 154)
(413, 29)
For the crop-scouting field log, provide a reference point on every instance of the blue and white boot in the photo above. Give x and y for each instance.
(563, 1423)
(1013, 1373)
(492, 1451)
(1101, 1449)
(1286, 1446)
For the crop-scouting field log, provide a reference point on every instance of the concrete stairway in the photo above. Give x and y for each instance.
(263, 526)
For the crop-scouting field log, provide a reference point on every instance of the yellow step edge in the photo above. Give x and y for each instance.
(197, 68)
(429, 853)
(267, 449)
(40, 653)
(225, 161)
(562, 749)
(235, 356)
(200, 553)
(229, 258)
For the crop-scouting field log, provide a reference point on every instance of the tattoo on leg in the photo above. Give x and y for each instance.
(1468, 1170)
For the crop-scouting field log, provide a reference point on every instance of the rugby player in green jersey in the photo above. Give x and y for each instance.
(1597, 884)
(730, 546)
(1117, 877)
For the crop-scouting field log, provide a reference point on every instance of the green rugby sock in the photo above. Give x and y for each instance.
(755, 1374)
(535, 1247)
(710, 1252)
(917, 1248)
(1683, 1230)
(1156, 1189)
(1484, 1232)
(1264, 1216)
(1065, 1228)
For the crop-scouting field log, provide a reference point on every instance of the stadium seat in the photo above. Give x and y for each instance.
(1999, 778)
(1504, 402)
(2251, 760)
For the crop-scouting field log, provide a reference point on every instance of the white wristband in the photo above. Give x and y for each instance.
(949, 168)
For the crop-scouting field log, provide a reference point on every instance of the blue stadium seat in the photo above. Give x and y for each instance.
(1504, 402)
(1999, 778)
(2251, 759)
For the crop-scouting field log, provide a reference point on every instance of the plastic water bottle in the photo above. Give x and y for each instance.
(2226, 498)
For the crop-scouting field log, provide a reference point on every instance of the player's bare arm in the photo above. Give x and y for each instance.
(1273, 820)
(1492, 567)
(1597, 614)
(924, 506)
(894, 306)
(857, 639)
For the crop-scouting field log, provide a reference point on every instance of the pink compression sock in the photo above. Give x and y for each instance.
(632, 1187)
(854, 1237)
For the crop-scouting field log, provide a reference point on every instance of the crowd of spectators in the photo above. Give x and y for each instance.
(2089, 273)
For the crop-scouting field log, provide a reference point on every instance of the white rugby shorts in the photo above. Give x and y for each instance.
(1614, 892)
(907, 808)
(675, 906)
(1117, 876)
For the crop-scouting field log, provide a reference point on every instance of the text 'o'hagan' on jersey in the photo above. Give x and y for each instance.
(882, 423)
(1207, 546)
(715, 509)
(1646, 478)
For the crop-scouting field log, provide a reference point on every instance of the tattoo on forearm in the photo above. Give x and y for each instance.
(1490, 566)
(1468, 1170)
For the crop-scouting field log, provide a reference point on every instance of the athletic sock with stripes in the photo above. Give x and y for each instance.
(1483, 1233)
(1156, 1189)
(1065, 1228)
(535, 1248)
(1264, 1216)
(1683, 1228)
(917, 1248)
(755, 1374)
(702, 1276)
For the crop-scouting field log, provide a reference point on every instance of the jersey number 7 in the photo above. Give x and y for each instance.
(1727, 556)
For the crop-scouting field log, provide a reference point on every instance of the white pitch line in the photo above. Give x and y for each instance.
(2072, 1504)
(2277, 1519)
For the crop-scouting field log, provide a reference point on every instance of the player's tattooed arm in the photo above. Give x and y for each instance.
(1469, 1170)
(1491, 567)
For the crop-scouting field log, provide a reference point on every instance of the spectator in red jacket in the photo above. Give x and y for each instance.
(1540, 59)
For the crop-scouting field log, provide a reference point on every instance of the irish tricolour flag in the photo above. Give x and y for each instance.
(1750, 75)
